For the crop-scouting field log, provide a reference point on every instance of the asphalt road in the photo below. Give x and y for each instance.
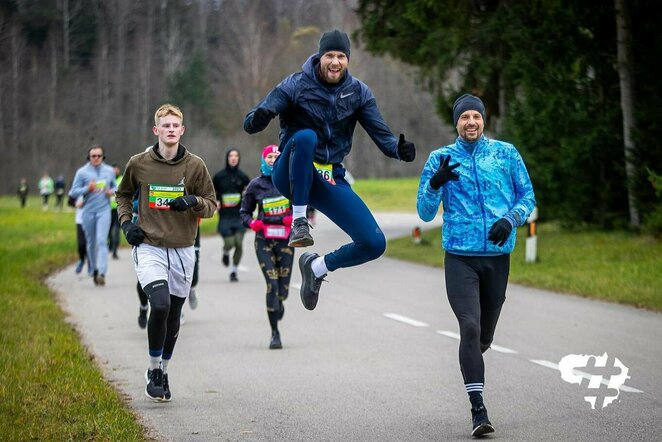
(376, 361)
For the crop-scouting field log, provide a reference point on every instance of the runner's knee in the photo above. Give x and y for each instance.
(158, 294)
(374, 245)
(306, 138)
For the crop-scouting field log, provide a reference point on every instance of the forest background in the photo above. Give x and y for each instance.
(573, 84)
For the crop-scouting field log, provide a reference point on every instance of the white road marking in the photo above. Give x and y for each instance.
(585, 375)
(494, 347)
(406, 320)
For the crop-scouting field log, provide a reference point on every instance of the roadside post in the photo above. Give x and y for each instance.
(531, 253)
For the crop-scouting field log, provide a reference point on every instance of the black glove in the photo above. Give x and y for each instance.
(406, 149)
(444, 174)
(261, 118)
(182, 203)
(499, 232)
(134, 234)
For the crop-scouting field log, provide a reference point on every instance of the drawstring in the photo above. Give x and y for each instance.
(181, 263)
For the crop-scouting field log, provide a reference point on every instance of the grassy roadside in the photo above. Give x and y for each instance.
(50, 386)
(614, 266)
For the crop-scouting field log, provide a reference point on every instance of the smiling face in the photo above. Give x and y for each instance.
(270, 158)
(169, 130)
(470, 125)
(333, 65)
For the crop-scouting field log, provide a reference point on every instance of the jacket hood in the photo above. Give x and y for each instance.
(182, 153)
(227, 159)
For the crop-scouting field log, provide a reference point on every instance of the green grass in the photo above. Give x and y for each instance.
(393, 195)
(50, 386)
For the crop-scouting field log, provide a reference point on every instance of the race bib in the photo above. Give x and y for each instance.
(275, 232)
(100, 185)
(325, 171)
(275, 206)
(160, 195)
(230, 199)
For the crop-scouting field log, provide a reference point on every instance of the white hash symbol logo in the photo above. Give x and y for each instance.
(569, 373)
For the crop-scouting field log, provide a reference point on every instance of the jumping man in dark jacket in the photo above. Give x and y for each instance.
(318, 110)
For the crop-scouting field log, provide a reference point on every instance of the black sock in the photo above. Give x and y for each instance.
(273, 321)
(476, 399)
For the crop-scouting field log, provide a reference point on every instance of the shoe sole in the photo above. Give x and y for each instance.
(482, 430)
(275, 347)
(302, 242)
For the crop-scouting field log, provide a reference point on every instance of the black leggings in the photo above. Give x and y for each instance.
(275, 258)
(80, 239)
(476, 289)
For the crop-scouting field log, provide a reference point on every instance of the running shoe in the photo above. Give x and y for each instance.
(79, 266)
(142, 318)
(233, 277)
(167, 396)
(154, 389)
(100, 280)
(192, 299)
(310, 284)
(275, 343)
(300, 234)
(226, 259)
(480, 421)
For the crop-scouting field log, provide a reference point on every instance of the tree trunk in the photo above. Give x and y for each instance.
(627, 102)
(66, 18)
(15, 80)
(53, 92)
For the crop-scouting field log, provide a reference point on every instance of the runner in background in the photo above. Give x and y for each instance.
(272, 229)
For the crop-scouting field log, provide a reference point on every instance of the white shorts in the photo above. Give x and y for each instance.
(174, 265)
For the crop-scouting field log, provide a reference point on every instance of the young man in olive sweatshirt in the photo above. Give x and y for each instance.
(174, 189)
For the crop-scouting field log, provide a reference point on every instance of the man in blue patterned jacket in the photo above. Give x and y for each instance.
(319, 108)
(485, 194)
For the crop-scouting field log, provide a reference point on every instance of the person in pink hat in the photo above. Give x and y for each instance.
(272, 229)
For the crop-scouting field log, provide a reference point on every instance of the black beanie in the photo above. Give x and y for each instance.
(334, 41)
(467, 102)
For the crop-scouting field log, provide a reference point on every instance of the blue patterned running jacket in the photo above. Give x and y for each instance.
(494, 183)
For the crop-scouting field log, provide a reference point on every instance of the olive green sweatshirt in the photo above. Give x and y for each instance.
(159, 181)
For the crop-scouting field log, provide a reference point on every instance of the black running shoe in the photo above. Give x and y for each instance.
(154, 389)
(142, 318)
(233, 277)
(310, 285)
(166, 389)
(226, 259)
(300, 234)
(481, 423)
(275, 341)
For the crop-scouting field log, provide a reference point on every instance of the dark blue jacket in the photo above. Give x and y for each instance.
(303, 101)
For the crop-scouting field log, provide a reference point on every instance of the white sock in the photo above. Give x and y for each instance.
(233, 269)
(319, 267)
(154, 362)
(164, 365)
(298, 212)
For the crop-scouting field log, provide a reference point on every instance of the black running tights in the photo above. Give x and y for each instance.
(476, 289)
